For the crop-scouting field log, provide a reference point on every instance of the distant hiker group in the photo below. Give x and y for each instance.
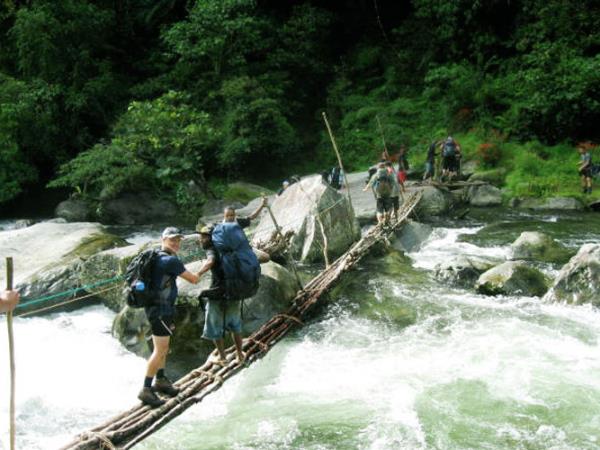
(151, 284)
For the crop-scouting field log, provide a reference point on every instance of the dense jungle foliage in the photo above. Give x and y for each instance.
(109, 96)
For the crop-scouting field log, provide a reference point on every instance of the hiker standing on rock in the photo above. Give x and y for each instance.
(383, 184)
(430, 161)
(585, 169)
(450, 153)
(8, 300)
(229, 215)
(161, 315)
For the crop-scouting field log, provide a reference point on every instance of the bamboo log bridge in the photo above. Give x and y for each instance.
(131, 427)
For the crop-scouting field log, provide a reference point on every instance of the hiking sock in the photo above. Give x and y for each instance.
(160, 374)
(148, 382)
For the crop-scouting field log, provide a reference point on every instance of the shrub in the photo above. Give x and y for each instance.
(489, 154)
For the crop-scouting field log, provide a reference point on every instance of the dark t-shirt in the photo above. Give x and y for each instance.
(431, 153)
(216, 271)
(164, 276)
(243, 222)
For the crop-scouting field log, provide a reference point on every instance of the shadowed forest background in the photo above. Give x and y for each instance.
(104, 97)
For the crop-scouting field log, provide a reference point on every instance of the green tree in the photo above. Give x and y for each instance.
(159, 145)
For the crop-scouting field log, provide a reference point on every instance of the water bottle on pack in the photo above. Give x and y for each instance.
(139, 286)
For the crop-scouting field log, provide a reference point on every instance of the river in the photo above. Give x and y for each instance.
(395, 360)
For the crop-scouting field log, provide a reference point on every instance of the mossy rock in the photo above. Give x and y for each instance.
(244, 192)
(96, 243)
(512, 278)
(493, 176)
(578, 282)
(536, 246)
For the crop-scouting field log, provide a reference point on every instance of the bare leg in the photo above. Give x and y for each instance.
(158, 358)
(220, 344)
(241, 356)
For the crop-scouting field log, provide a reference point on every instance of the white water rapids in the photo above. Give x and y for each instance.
(396, 364)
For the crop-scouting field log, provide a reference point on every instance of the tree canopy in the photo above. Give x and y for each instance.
(109, 96)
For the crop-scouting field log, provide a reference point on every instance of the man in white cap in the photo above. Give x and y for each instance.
(161, 315)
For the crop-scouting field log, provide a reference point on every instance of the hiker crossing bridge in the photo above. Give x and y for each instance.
(131, 427)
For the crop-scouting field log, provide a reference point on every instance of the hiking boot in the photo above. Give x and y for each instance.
(148, 397)
(165, 386)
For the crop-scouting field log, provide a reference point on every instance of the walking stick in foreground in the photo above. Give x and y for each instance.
(11, 349)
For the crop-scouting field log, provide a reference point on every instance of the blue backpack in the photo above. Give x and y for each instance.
(449, 149)
(240, 265)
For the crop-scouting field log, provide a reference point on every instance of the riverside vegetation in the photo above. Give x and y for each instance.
(180, 97)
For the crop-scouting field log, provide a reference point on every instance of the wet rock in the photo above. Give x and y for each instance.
(434, 201)
(23, 223)
(411, 236)
(578, 282)
(137, 208)
(512, 278)
(552, 203)
(462, 270)
(296, 209)
(484, 195)
(536, 246)
(277, 289)
(74, 210)
(48, 256)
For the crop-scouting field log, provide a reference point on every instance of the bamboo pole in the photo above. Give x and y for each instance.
(11, 351)
(289, 258)
(385, 150)
(337, 153)
(325, 243)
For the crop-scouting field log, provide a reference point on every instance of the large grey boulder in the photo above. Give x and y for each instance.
(552, 203)
(296, 210)
(578, 281)
(512, 278)
(411, 236)
(277, 289)
(48, 256)
(137, 208)
(74, 210)
(536, 246)
(462, 270)
(434, 201)
(484, 195)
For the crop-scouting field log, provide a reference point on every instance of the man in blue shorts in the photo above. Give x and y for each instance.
(221, 315)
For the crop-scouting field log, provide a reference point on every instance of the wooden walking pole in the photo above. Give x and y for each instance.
(290, 259)
(11, 350)
(337, 153)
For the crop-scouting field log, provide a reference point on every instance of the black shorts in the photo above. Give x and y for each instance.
(384, 204)
(587, 172)
(396, 203)
(449, 163)
(162, 326)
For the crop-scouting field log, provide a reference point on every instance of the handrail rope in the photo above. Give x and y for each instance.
(27, 302)
(56, 305)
